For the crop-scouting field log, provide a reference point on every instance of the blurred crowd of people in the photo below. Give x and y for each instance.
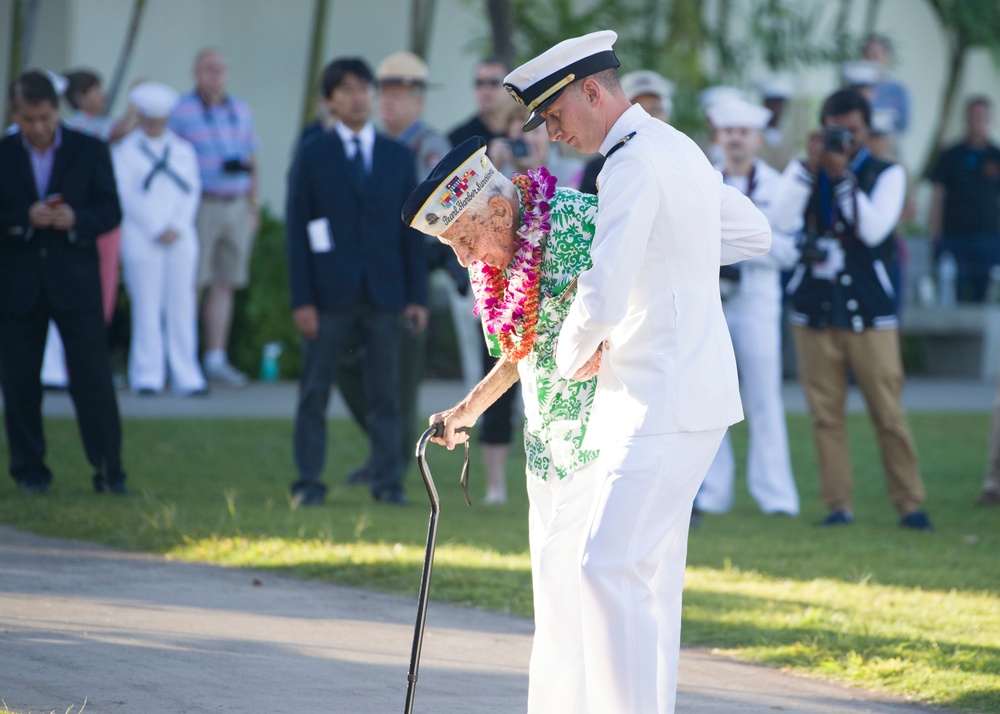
(182, 169)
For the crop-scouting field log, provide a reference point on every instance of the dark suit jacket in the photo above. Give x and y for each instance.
(372, 247)
(60, 263)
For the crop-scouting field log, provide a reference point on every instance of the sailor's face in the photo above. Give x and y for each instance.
(483, 238)
(568, 120)
(739, 142)
(153, 126)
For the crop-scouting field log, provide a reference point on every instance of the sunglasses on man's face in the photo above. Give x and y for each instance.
(488, 82)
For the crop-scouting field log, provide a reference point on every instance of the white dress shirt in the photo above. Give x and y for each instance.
(367, 137)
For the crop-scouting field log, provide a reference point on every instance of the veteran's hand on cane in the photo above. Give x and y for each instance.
(590, 367)
(453, 419)
(306, 321)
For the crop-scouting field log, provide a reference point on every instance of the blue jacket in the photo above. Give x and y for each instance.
(372, 249)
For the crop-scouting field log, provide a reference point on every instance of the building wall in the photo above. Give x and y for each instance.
(267, 45)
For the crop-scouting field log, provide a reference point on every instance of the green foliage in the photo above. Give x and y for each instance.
(262, 312)
(913, 614)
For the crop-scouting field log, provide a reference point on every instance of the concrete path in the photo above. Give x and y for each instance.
(127, 632)
(278, 400)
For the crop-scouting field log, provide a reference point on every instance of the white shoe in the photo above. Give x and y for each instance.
(226, 374)
(495, 499)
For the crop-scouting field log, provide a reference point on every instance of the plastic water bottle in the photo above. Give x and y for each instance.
(269, 368)
(947, 275)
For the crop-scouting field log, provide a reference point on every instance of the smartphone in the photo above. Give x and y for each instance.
(53, 200)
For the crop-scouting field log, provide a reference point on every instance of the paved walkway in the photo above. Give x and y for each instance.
(278, 400)
(126, 632)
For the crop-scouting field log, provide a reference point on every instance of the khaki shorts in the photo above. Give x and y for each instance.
(226, 241)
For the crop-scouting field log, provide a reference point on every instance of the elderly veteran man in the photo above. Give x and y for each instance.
(524, 256)
(647, 319)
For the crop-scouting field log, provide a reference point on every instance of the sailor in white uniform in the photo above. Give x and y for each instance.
(159, 188)
(751, 294)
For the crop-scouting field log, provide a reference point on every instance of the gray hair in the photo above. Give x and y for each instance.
(500, 186)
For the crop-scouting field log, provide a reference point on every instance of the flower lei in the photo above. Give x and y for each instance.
(510, 305)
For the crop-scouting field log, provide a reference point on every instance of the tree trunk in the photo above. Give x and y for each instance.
(842, 35)
(126, 54)
(871, 17)
(956, 66)
(314, 66)
(501, 29)
(421, 24)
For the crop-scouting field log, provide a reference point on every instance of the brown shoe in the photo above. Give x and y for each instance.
(989, 498)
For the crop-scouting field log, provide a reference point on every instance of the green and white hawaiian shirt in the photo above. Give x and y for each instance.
(557, 410)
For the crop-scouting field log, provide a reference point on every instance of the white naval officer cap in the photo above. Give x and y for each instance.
(732, 112)
(860, 73)
(153, 99)
(776, 85)
(540, 81)
(452, 186)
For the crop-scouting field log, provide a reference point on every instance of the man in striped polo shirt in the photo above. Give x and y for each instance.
(221, 128)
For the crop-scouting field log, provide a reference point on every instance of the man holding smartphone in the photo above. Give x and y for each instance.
(49, 270)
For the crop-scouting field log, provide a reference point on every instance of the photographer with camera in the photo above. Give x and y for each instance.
(846, 204)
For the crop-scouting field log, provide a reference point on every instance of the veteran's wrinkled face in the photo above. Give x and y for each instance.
(486, 236)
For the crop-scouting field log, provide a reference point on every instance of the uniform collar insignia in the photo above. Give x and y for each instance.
(619, 144)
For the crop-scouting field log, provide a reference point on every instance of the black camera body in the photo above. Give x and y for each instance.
(236, 165)
(518, 148)
(837, 139)
(809, 249)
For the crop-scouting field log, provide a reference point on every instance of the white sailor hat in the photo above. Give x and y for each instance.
(451, 188)
(539, 82)
(729, 113)
(153, 99)
(59, 83)
(776, 85)
(403, 68)
(861, 73)
(645, 81)
(711, 95)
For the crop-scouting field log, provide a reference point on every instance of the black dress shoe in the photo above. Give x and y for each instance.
(361, 474)
(117, 487)
(393, 498)
(308, 498)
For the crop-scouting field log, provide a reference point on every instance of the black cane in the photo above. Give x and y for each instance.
(425, 577)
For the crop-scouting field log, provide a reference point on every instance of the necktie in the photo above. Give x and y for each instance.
(358, 163)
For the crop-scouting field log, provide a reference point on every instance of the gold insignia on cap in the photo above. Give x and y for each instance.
(431, 218)
(550, 91)
(484, 161)
(512, 91)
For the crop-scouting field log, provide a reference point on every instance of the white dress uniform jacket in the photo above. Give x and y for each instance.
(665, 223)
(160, 278)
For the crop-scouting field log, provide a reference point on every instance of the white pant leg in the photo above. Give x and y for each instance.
(143, 266)
(632, 567)
(54, 360)
(180, 302)
(557, 516)
(716, 492)
(756, 333)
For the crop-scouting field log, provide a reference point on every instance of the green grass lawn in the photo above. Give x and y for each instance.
(912, 614)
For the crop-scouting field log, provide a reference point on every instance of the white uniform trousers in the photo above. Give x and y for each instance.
(161, 286)
(557, 516)
(632, 570)
(755, 327)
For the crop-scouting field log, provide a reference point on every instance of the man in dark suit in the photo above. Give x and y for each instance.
(57, 194)
(355, 269)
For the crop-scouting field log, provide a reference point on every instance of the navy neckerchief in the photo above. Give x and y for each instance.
(826, 186)
(161, 165)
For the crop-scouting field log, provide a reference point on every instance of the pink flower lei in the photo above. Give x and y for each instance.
(508, 299)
